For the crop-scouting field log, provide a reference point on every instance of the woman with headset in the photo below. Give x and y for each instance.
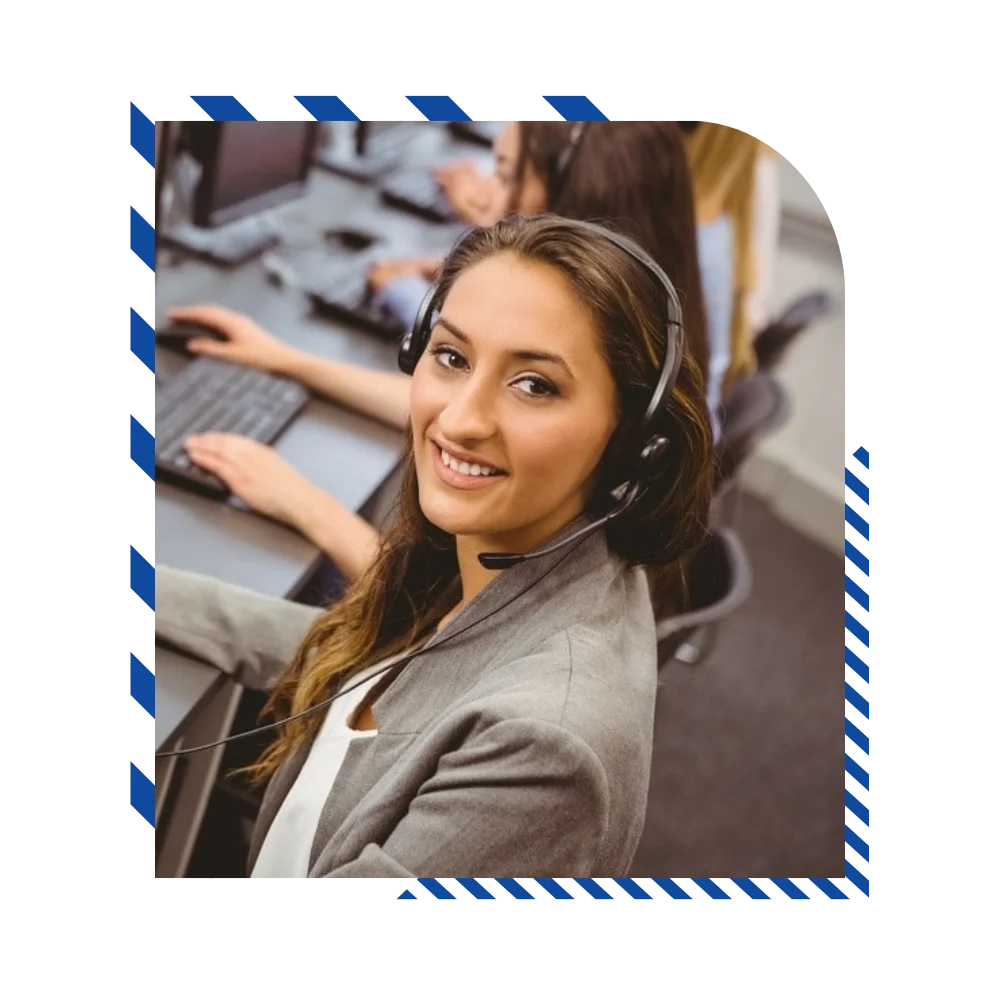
(633, 175)
(494, 668)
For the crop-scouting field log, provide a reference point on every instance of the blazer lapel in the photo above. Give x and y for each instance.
(401, 709)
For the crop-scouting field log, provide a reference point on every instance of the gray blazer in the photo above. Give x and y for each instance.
(521, 747)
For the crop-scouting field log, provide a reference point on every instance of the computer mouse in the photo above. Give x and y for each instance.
(350, 239)
(177, 335)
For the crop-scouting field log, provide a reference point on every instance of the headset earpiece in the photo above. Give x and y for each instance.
(411, 347)
(650, 457)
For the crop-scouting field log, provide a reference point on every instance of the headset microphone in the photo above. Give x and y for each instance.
(504, 560)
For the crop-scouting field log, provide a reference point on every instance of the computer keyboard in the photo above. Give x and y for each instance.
(341, 290)
(416, 191)
(231, 244)
(213, 395)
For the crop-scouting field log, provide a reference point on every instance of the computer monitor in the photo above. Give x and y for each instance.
(248, 167)
(365, 151)
(367, 136)
(161, 160)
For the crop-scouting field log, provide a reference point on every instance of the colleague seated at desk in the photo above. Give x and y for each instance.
(633, 172)
(512, 732)
(737, 207)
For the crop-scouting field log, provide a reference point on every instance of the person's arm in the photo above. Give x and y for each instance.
(402, 297)
(350, 541)
(766, 228)
(260, 477)
(523, 798)
(382, 395)
(715, 260)
(245, 634)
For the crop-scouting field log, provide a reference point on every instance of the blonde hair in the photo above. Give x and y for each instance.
(723, 167)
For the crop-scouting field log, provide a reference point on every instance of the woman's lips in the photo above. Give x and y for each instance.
(452, 477)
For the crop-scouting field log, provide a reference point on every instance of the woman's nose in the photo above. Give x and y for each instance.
(469, 414)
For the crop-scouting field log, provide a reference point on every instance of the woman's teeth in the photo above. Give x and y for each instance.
(465, 468)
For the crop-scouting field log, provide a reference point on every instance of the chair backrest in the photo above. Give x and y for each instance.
(758, 405)
(719, 580)
(772, 342)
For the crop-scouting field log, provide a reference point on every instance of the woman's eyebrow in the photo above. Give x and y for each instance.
(523, 355)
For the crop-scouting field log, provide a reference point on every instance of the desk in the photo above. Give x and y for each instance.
(348, 455)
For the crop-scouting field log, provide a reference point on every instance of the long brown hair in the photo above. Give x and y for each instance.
(633, 177)
(395, 602)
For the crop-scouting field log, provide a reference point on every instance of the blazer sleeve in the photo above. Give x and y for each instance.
(245, 634)
(524, 798)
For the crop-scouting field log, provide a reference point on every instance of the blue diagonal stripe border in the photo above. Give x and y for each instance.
(858, 668)
(439, 109)
(224, 109)
(589, 888)
(577, 109)
(142, 573)
(142, 340)
(143, 795)
(142, 456)
(142, 448)
(142, 685)
(328, 109)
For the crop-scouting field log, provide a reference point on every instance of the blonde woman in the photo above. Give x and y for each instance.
(737, 206)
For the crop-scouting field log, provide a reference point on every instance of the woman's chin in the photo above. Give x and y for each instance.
(456, 515)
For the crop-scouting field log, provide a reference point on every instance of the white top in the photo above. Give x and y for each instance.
(286, 848)
(766, 228)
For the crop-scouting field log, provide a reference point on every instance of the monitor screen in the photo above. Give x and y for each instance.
(164, 136)
(159, 168)
(368, 135)
(251, 166)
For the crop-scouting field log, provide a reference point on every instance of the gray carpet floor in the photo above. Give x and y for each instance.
(748, 768)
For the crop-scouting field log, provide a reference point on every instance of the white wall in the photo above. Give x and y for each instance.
(800, 469)
(797, 194)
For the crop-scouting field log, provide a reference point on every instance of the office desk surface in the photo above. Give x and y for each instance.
(346, 454)
(182, 685)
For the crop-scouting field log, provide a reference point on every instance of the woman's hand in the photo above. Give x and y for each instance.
(255, 473)
(384, 272)
(474, 196)
(264, 480)
(246, 342)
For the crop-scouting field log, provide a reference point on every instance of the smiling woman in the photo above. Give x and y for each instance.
(484, 394)
(510, 728)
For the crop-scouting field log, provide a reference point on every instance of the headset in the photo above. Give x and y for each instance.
(564, 162)
(643, 448)
(646, 448)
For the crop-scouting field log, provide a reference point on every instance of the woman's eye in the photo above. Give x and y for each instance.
(448, 357)
(532, 385)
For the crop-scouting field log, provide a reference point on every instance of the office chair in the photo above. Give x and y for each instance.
(772, 342)
(719, 581)
(757, 406)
